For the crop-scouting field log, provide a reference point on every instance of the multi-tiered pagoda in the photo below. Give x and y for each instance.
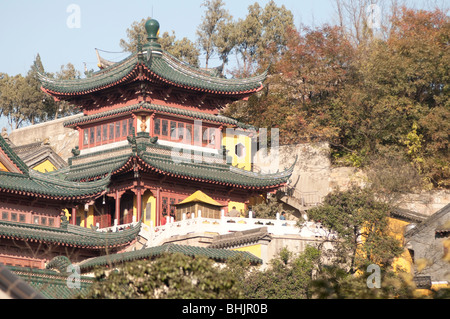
(151, 122)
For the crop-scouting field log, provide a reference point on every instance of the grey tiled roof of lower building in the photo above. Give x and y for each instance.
(149, 253)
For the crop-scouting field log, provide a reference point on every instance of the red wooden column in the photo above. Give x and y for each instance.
(158, 207)
(139, 191)
(80, 137)
(74, 215)
(152, 124)
(117, 197)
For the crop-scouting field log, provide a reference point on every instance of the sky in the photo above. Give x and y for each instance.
(49, 27)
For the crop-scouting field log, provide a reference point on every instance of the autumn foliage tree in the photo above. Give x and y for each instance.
(379, 96)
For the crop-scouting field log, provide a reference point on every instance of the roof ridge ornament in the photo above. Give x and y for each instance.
(152, 28)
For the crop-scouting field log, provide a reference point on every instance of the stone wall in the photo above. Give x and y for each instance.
(61, 139)
(314, 176)
(312, 168)
(427, 245)
(426, 203)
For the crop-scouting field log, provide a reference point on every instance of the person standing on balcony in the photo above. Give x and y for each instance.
(234, 212)
(283, 217)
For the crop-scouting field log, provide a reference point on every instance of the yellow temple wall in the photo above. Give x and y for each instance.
(135, 207)
(3, 168)
(239, 206)
(253, 249)
(396, 230)
(148, 198)
(45, 166)
(230, 141)
(86, 219)
(90, 217)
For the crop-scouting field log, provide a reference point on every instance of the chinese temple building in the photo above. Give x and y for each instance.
(32, 228)
(152, 124)
(151, 141)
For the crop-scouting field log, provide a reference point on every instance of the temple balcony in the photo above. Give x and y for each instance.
(199, 225)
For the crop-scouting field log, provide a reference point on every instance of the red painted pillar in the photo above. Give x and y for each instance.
(151, 128)
(74, 215)
(158, 207)
(80, 137)
(139, 204)
(117, 198)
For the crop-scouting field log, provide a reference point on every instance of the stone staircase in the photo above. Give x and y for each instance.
(301, 201)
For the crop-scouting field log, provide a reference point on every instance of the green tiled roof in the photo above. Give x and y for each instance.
(70, 236)
(34, 183)
(172, 70)
(95, 169)
(213, 172)
(15, 287)
(160, 109)
(51, 284)
(119, 72)
(13, 156)
(59, 263)
(213, 253)
(45, 185)
(158, 159)
(165, 68)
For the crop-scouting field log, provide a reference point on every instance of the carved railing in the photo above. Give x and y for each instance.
(157, 235)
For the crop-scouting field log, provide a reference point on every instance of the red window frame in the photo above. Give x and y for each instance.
(186, 132)
(106, 133)
(112, 127)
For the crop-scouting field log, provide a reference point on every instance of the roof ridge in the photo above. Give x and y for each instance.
(443, 211)
(217, 118)
(13, 157)
(43, 178)
(173, 61)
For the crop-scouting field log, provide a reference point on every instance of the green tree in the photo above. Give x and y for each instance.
(287, 276)
(63, 108)
(336, 283)
(225, 41)
(215, 18)
(360, 225)
(261, 36)
(269, 208)
(135, 33)
(21, 101)
(183, 49)
(46, 109)
(170, 276)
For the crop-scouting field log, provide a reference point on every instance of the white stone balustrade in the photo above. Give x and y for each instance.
(157, 235)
